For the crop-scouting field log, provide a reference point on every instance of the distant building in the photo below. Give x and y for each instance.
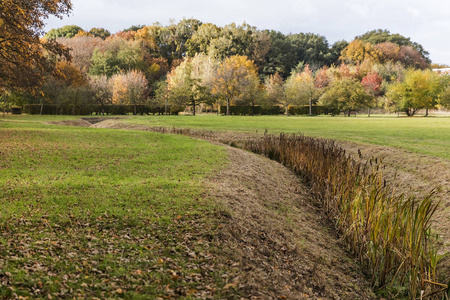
(445, 71)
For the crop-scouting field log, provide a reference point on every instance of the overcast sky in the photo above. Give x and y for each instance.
(425, 22)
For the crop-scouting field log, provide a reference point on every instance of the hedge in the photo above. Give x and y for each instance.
(304, 110)
(50, 109)
(252, 110)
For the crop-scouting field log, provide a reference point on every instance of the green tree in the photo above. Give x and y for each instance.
(100, 32)
(233, 40)
(201, 39)
(335, 52)
(68, 31)
(119, 55)
(281, 57)
(419, 90)
(346, 95)
(312, 49)
(133, 28)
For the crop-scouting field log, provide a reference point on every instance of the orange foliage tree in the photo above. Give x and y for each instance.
(23, 55)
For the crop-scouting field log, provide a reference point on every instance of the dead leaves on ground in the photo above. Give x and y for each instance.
(103, 260)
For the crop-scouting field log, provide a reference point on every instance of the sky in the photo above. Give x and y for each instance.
(425, 22)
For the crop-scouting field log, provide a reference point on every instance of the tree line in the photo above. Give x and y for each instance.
(203, 66)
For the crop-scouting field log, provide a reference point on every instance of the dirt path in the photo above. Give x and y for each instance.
(282, 244)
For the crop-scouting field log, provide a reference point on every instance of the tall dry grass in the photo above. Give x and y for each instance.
(390, 234)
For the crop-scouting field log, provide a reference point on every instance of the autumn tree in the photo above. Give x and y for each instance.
(372, 83)
(129, 88)
(67, 88)
(379, 36)
(102, 90)
(322, 78)
(191, 83)
(359, 51)
(81, 49)
(232, 77)
(410, 57)
(308, 93)
(284, 93)
(23, 55)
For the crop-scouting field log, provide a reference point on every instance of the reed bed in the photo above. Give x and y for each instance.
(389, 234)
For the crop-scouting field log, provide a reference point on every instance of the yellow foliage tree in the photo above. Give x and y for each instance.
(358, 51)
(232, 77)
(129, 88)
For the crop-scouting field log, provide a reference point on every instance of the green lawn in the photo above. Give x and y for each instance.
(429, 136)
(105, 213)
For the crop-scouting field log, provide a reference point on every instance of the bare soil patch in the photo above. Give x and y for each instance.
(84, 122)
(77, 123)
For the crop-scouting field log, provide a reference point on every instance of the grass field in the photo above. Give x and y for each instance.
(104, 213)
(429, 136)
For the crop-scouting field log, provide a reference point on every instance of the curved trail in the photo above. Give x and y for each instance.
(281, 242)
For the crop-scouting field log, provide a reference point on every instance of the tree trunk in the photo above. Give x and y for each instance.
(287, 110)
(165, 106)
(368, 112)
(42, 107)
(228, 107)
(310, 106)
(193, 104)
(426, 112)
(135, 108)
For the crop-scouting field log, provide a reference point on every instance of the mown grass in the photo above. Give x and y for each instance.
(105, 213)
(430, 136)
